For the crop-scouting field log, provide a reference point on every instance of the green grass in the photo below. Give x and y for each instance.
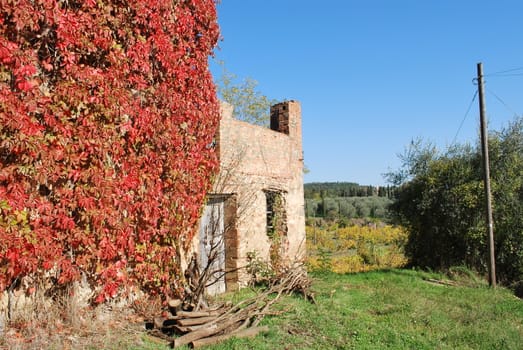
(396, 309)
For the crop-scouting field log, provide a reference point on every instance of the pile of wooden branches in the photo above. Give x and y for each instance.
(213, 325)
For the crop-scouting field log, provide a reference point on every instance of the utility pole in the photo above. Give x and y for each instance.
(486, 174)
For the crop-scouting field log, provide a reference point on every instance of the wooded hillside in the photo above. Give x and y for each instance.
(345, 189)
(347, 200)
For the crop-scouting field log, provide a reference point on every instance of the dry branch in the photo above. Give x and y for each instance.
(210, 326)
(441, 282)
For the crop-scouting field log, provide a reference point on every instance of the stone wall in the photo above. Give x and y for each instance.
(254, 160)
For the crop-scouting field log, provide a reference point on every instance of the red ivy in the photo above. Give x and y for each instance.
(106, 108)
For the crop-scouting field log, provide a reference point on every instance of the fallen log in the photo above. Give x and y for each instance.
(245, 333)
(192, 336)
(442, 282)
(173, 317)
(175, 305)
(158, 322)
(212, 329)
(182, 330)
(188, 314)
(195, 321)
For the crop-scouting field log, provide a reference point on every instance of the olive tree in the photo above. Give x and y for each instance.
(440, 199)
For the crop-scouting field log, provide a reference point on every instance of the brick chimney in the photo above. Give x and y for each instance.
(286, 118)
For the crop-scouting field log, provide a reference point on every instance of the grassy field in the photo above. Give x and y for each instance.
(396, 309)
(388, 309)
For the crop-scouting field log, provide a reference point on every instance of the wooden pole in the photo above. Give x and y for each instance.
(486, 176)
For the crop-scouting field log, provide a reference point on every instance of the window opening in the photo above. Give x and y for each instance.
(276, 215)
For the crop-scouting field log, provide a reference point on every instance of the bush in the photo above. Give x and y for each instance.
(355, 248)
(441, 203)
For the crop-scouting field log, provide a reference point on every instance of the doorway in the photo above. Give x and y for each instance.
(212, 244)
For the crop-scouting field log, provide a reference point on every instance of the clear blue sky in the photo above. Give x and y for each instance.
(372, 75)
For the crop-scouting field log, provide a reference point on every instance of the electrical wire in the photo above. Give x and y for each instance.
(502, 73)
(502, 102)
(506, 75)
(465, 117)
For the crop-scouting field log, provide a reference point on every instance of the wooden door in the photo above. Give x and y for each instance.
(212, 247)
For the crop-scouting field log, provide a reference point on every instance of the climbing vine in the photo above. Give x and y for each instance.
(276, 228)
(107, 111)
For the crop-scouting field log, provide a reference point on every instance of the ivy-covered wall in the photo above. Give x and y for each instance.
(107, 109)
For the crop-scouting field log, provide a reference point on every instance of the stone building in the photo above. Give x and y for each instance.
(256, 208)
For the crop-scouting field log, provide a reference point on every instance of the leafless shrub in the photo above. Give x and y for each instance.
(47, 317)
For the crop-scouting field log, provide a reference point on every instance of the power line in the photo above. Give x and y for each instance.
(506, 75)
(502, 102)
(465, 117)
(502, 72)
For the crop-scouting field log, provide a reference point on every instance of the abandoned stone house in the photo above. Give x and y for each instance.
(257, 204)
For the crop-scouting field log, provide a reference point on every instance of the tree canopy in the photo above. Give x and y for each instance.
(250, 105)
(347, 200)
(440, 199)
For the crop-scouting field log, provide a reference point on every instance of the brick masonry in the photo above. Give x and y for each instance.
(253, 160)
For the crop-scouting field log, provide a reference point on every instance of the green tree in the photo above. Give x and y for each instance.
(440, 200)
(441, 207)
(250, 105)
(506, 160)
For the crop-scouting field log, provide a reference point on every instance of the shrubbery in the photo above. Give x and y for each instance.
(355, 248)
(441, 203)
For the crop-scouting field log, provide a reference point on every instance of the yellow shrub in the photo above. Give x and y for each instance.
(348, 264)
(356, 248)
